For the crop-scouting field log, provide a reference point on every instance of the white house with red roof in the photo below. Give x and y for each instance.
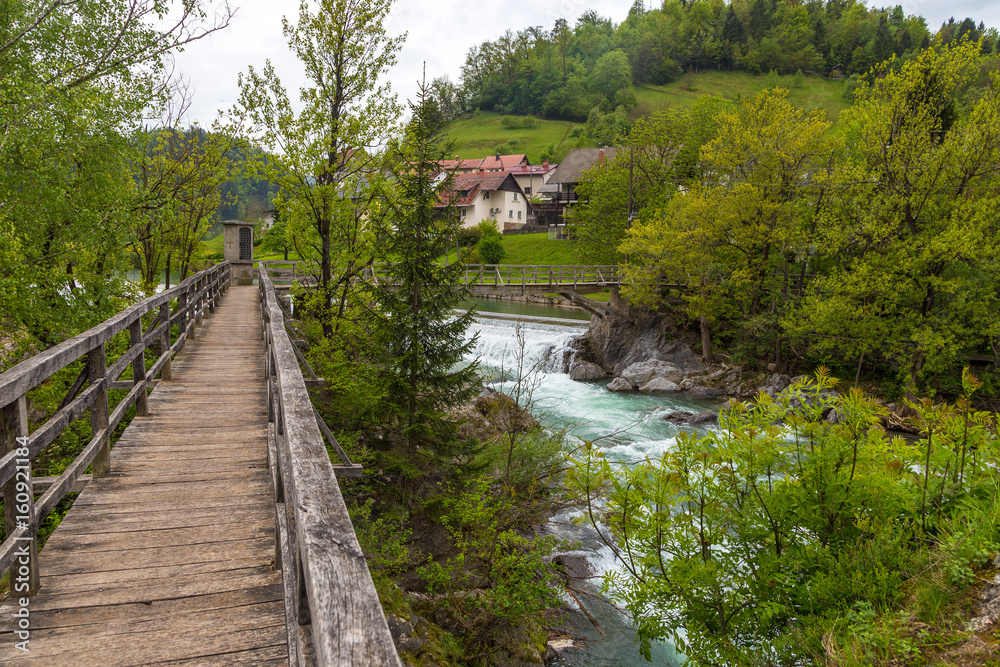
(487, 195)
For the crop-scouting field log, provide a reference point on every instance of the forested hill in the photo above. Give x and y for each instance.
(569, 70)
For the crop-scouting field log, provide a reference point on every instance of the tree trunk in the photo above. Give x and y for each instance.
(706, 341)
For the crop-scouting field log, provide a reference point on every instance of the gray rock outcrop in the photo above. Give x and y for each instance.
(616, 343)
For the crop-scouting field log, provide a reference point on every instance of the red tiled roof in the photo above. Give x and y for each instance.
(489, 163)
(466, 187)
(503, 163)
(532, 169)
(449, 165)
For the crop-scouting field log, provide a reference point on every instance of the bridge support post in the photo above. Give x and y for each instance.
(96, 370)
(19, 500)
(139, 367)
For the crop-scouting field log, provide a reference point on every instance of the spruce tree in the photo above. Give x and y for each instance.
(420, 341)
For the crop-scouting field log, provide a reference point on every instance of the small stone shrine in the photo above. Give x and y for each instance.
(237, 247)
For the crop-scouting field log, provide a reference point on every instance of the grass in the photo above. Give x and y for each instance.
(539, 249)
(817, 92)
(480, 135)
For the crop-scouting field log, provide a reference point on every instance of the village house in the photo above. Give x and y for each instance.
(532, 177)
(569, 173)
(487, 195)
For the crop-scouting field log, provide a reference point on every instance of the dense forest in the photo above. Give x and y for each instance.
(867, 246)
(568, 70)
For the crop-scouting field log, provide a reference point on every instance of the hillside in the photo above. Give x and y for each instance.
(481, 133)
(816, 91)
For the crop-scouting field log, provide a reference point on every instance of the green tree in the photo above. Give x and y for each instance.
(418, 338)
(76, 80)
(601, 218)
(737, 240)
(611, 73)
(321, 156)
(913, 230)
(178, 174)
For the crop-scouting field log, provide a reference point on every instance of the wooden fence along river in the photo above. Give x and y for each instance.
(214, 530)
(480, 278)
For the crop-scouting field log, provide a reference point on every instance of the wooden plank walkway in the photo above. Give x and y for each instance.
(170, 560)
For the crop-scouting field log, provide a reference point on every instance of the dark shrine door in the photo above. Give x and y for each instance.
(246, 244)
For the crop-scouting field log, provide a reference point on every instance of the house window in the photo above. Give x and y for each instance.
(518, 215)
(515, 196)
(486, 195)
(527, 191)
(510, 214)
(464, 212)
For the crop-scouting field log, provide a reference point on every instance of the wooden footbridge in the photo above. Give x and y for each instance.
(481, 279)
(213, 532)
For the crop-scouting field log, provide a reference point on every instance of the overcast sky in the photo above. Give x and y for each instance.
(440, 33)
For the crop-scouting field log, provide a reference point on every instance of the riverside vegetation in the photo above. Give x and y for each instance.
(788, 538)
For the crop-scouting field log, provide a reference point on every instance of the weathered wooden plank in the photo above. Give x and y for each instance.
(91, 619)
(66, 560)
(156, 646)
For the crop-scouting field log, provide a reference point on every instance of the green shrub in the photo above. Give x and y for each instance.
(468, 237)
(491, 249)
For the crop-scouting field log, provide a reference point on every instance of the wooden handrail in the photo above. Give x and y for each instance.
(500, 275)
(18, 445)
(332, 611)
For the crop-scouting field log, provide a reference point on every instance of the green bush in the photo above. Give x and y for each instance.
(491, 249)
(468, 237)
(511, 122)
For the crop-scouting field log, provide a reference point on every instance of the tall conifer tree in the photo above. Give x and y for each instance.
(420, 339)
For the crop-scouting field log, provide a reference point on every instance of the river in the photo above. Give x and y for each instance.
(629, 426)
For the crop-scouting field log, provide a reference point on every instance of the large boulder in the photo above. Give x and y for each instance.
(659, 386)
(620, 384)
(705, 392)
(642, 372)
(707, 417)
(584, 370)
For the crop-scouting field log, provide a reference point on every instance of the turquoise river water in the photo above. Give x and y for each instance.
(628, 425)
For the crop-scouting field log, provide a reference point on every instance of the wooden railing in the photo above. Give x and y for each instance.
(526, 275)
(332, 611)
(23, 514)
(283, 273)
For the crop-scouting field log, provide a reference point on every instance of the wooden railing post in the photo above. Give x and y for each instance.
(19, 501)
(138, 367)
(166, 373)
(96, 369)
(182, 300)
(213, 282)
